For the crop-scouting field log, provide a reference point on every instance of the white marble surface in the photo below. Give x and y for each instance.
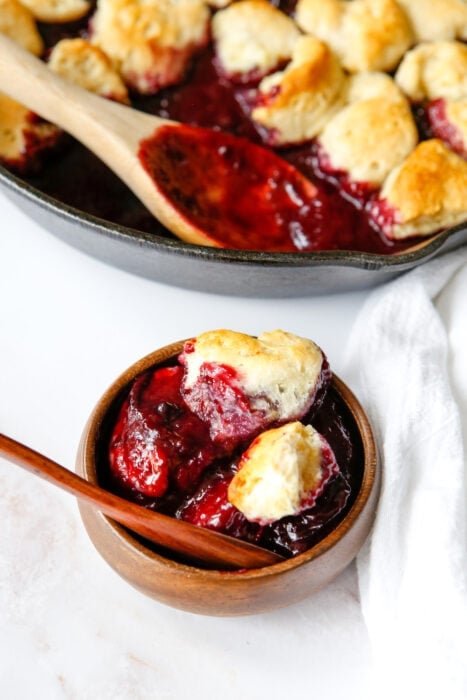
(69, 627)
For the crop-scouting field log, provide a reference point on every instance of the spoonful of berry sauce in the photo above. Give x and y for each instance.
(207, 187)
(197, 544)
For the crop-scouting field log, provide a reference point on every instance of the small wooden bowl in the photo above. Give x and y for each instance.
(214, 592)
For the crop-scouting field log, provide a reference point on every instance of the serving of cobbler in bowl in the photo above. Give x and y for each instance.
(252, 437)
(365, 98)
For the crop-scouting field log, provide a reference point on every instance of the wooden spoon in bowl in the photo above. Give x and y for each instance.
(198, 544)
(207, 187)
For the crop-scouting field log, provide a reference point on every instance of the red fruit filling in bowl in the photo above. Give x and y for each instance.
(157, 452)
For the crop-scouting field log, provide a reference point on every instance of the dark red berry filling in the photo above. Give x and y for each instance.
(157, 441)
(220, 402)
(331, 220)
(209, 507)
(243, 195)
(383, 214)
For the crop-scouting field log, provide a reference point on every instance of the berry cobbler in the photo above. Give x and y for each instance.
(242, 435)
(366, 99)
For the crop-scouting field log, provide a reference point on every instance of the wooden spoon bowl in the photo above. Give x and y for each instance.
(161, 576)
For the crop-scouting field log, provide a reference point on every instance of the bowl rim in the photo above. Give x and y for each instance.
(370, 475)
(426, 248)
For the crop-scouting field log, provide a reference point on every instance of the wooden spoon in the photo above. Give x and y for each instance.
(207, 187)
(197, 544)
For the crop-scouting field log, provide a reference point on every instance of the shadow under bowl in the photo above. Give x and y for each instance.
(215, 592)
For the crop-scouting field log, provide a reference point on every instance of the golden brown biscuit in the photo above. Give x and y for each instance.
(278, 371)
(86, 65)
(358, 141)
(434, 69)
(252, 37)
(281, 473)
(428, 192)
(150, 41)
(18, 24)
(367, 35)
(57, 10)
(435, 73)
(295, 104)
(23, 136)
(432, 20)
(369, 85)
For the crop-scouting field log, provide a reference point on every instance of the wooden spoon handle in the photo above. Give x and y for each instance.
(113, 132)
(195, 542)
(80, 112)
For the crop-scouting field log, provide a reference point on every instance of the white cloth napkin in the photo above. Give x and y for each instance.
(407, 361)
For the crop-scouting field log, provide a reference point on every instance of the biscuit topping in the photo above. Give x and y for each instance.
(239, 385)
(295, 104)
(433, 70)
(150, 41)
(57, 10)
(252, 38)
(282, 473)
(86, 65)
(358, 143)
(435, 74)
(432, 20)
(414, 197)
(17, 22)
(367, 35)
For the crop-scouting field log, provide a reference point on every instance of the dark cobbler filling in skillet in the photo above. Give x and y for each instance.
(263, 449)
(349, 115)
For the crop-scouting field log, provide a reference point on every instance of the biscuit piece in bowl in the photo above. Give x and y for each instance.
(271, 379)
(282, 473)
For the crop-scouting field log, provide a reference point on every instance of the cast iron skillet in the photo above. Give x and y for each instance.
(221, 271)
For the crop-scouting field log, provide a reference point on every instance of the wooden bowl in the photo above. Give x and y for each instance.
(214, 592)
